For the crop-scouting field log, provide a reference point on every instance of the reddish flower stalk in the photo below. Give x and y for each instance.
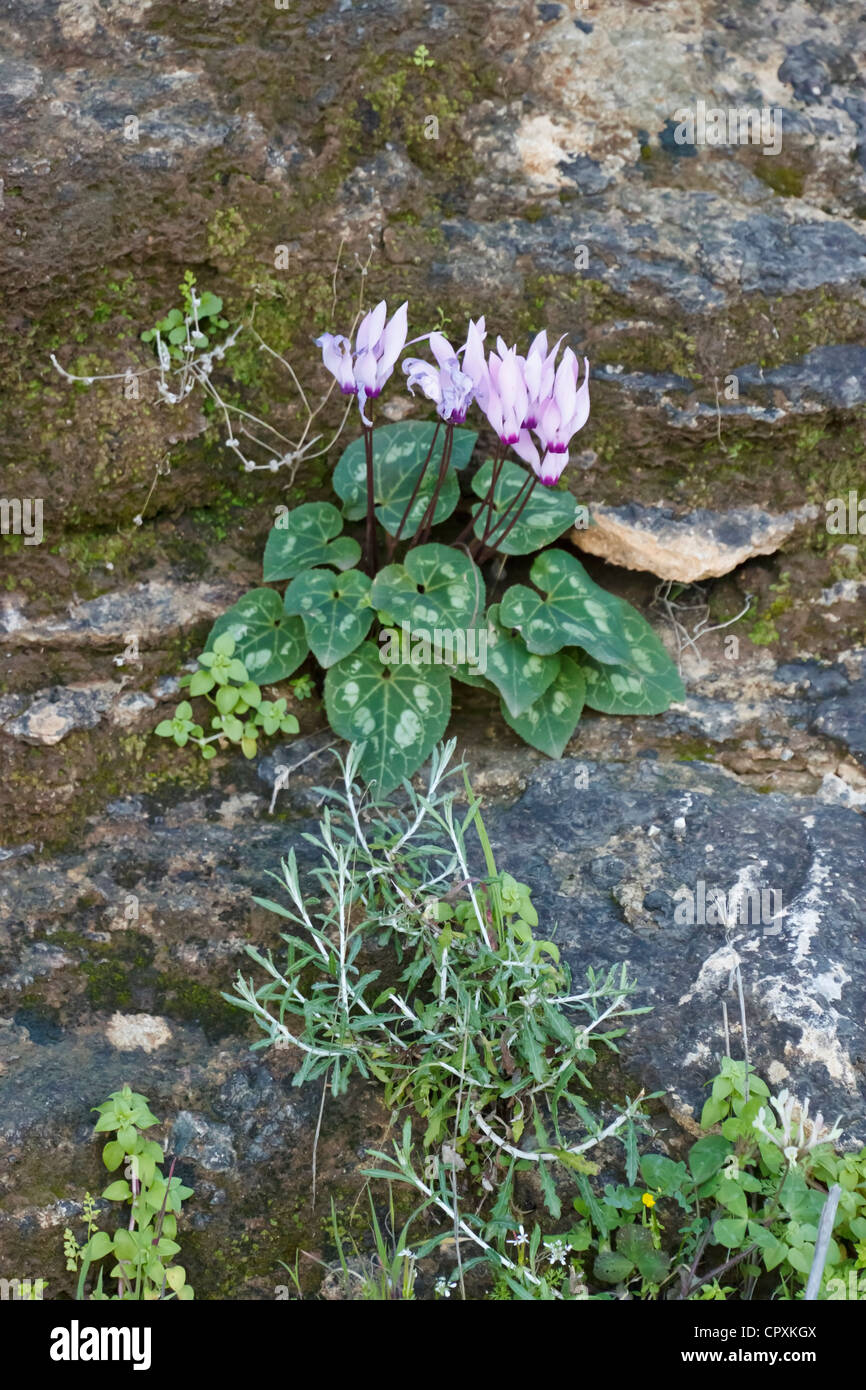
(393, 540)
(371, 558)
(523, 497)
(430, 511)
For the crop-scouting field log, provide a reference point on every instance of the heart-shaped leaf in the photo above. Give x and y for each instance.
(398, 712)
(270, 644)
(707, 1156)
(649, 689)
(335, 610)
(612, 1268)
(399, 452)
(551, 720)
(576, 612)
(635, 1243)
(303, 538)
(547, 514)
(435, 587)
(729, 1231)
(519, 675)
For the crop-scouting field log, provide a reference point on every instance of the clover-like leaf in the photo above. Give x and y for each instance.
(519, 675)
(435, 587)
(398, 712)
(546, 516)
(303, 538)
(269, 643)
(399, 452)
(335, 610)
(575, 613)
(551, 720)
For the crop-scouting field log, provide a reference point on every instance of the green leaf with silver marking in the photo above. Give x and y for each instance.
(649, 685)
(546, 516)
(399, 452)
(398, 712)
(304, 538)
(335, 610)
(575, 613)
(549, 723)
(519, 675)
(435, 587)
(270, 644)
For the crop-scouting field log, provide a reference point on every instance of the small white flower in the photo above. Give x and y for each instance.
(521, 1238)
(138, 521)
(557, 1251)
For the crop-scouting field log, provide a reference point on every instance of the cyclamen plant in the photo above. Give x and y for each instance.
(392, 623)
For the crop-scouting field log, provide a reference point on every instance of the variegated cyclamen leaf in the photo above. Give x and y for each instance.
(335, 610)
(303, 538)
(577, 612)
(549, 723)
(398, 712)
(648, 686)
(435, 587)
(547, 514)
(399, 452)
(270, 644)
(519, 675)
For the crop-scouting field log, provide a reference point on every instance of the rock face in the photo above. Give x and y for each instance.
(698, 545)
(114, 956)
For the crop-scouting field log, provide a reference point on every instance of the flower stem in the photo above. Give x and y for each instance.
(371, 558)
(489, 546)
(487, 500)
(430, 511)
(393, 540)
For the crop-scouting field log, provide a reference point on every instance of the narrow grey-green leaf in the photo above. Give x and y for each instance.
(335, 610)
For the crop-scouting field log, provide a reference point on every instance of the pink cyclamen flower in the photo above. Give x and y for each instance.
(451, 388)
(378, 344)
(506, 402)
(561, 415)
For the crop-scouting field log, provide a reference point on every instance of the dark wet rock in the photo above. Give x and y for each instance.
(843, 716)
(830, 376)
(668, 828)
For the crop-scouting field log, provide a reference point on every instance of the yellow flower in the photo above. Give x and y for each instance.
(648, 1199)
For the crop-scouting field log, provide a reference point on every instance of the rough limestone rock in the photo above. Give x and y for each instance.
(699, 545)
